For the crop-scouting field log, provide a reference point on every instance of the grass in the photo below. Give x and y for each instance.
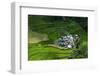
(43, 52)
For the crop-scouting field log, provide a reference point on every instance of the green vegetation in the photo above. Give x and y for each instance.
(43, 52)
(44, 30)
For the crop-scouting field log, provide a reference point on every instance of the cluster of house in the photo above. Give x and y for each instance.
(67, 41)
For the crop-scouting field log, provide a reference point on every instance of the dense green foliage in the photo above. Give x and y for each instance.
(54, 27)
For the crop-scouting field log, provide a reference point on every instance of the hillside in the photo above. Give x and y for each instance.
(44, 30)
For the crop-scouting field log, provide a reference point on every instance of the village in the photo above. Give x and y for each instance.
(68, 41)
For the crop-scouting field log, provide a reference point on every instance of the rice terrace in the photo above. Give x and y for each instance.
(57, 37)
